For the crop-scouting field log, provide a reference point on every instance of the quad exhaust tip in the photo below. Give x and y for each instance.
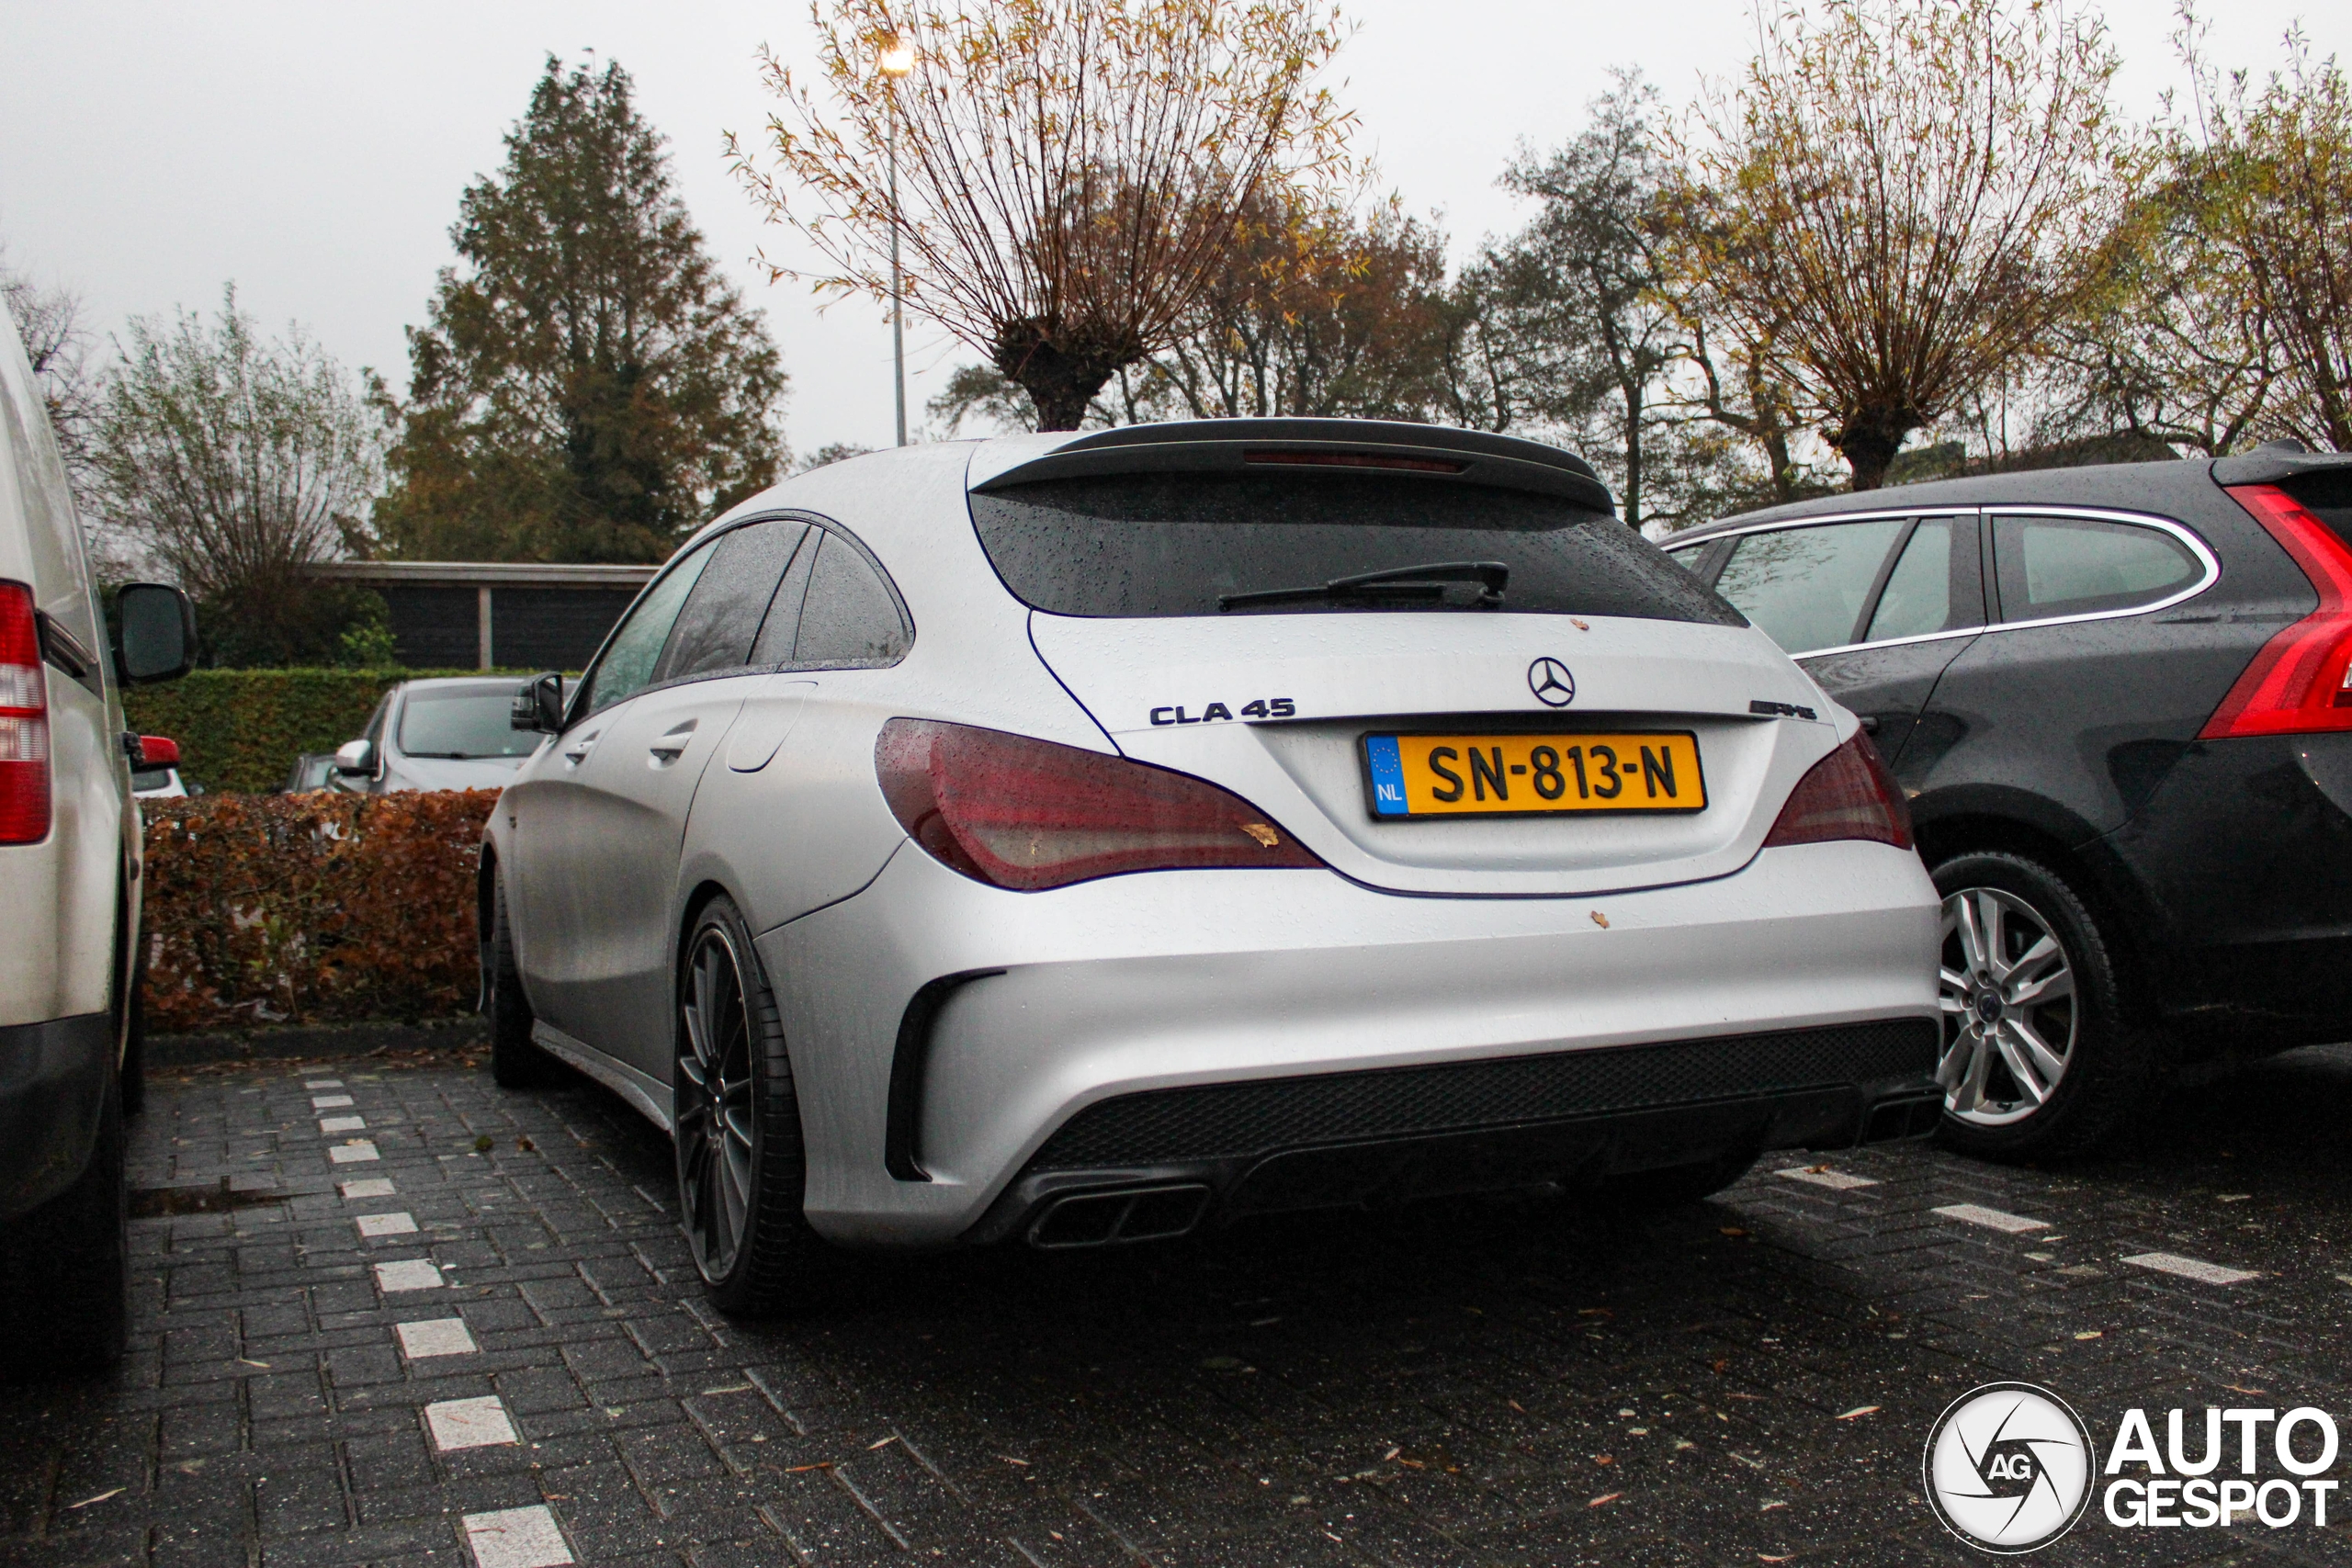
(1893, 1119)
(1108, 1219)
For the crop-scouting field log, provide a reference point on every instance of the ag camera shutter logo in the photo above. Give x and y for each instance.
(2008, 1467)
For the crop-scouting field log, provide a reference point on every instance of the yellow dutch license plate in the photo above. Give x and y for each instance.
(1446, 775)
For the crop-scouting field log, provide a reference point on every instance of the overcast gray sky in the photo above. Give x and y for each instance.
(316, 153)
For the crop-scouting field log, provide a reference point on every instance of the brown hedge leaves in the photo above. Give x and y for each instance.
(310, 909)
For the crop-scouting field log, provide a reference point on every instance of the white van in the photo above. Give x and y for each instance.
(70, 848)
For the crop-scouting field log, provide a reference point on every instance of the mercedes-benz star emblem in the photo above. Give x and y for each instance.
(2009, 1468)
(1550, 680)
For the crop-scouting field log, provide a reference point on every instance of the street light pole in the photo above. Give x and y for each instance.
(898, 57)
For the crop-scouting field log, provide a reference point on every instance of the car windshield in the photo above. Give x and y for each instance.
(470, 721)
(1202, 544)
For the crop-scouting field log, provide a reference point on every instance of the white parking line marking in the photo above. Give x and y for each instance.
(368, 1187)
(2195, 1268)
(329, 1102)
(436, 1337)
(387, 1225)
(1836, 1181)
(341, 1123)
(354, 1153)
(322, 1083)
(1993, 1219)
(469, 1424)
(517, 1538)
(414, 1274)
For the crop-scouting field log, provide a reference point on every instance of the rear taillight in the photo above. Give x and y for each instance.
(1028, 814)
(2301, 681)
(24, 721)
(1849, 793)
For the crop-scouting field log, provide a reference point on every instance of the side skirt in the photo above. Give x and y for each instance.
(651, 1097)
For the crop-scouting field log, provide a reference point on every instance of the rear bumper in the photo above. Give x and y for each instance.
(1144, 1166)
(52, 1089)
(1002, 1019)
(2242, 858)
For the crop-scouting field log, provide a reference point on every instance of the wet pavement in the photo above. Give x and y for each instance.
(491, 1351)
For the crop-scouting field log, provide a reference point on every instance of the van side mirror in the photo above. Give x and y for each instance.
(538, 706)
(156, 639)
(356, 759)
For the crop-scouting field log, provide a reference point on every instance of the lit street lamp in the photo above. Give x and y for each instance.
(896, 59)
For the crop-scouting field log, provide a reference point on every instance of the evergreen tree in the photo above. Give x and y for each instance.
(589, 387)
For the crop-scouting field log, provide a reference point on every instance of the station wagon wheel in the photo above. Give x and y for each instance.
(735, 1113)
(2038, 1059)
(714, 1116)
(2007, 992)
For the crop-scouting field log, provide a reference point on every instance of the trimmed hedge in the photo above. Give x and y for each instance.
(240, 729)
(311, 908)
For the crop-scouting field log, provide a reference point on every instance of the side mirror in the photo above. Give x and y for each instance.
(158, 751)
(538, 706)
(356, 759)
(157, 640)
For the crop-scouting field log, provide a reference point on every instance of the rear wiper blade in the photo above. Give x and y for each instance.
(1409, 585)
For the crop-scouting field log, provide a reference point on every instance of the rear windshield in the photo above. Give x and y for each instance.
(1172, 544)
(467, 722)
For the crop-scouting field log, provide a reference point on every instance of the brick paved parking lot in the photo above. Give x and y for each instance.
(453, 1320)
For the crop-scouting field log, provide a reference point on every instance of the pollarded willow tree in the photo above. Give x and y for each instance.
(1071, 172)
(1901, 200)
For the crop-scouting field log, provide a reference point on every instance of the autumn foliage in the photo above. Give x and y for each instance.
(310, 909)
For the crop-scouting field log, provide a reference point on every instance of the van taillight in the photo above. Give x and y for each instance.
(1849, 793)
(24, 721)
(1028, 814)
(2301, 681)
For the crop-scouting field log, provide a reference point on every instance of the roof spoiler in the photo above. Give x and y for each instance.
(1423, 453)
(2276, 461)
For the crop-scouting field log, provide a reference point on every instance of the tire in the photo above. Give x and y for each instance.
(515, 1062)
(2005, 1030)
(65, 1270)
(1675, 1186)
(742, 1168)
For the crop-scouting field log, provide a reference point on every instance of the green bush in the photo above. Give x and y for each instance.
(240, 729)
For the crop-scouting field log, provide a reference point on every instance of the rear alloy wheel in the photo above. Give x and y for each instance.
(736, 1119)
(2036, 1059)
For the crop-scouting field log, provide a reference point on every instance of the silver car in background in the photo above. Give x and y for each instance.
(1087, 838)
(438, 734)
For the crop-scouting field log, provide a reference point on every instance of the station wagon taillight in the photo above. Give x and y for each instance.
(1028, 814)
(24, 721)
(1849, 793)
(2301, 681)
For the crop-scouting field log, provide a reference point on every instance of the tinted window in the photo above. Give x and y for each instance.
(1170, 544)
(463, 722)
(1807, 586)
(849, 618)
(1933, 587)
(774, 645)
(627, 666)
(2075, 566)
(722, 615)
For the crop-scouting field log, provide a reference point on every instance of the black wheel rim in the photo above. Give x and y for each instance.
(713, 1094)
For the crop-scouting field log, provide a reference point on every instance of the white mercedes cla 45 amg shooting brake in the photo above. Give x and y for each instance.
(1086, 838)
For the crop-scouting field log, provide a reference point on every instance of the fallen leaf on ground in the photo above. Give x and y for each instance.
(99, 1498)
(1604, 1497)
(1859, 1410)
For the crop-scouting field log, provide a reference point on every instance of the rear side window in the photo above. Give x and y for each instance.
(1936, 585)
(2079, 565)
(1806, 587)
(1152, 544)
(722, 615)
(849, 620)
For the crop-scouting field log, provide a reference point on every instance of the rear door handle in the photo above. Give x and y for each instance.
(673, 746)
